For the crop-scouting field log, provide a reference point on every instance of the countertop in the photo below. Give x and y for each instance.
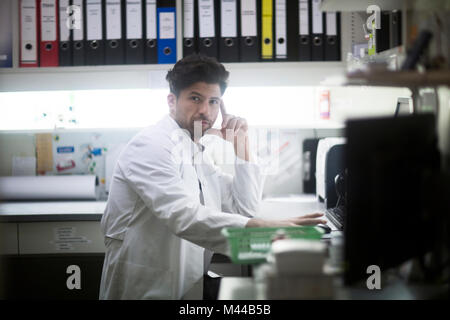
(28, 211)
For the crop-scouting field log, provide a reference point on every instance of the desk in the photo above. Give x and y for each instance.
(246, 288)
(33, 239)
(238, 288)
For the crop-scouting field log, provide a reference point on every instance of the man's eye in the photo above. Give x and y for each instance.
(194, 98)
(214, 102)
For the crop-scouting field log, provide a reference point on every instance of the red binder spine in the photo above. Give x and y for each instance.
(29, 33)
(49, 42)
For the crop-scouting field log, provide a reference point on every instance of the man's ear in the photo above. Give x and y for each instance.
(172, 102)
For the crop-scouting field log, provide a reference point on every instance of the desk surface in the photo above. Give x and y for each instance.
(244, 288)
(21, 211)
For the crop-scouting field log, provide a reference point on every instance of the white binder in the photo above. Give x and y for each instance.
(280, 29)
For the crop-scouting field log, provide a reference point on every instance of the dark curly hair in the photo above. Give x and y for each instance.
(196, 68)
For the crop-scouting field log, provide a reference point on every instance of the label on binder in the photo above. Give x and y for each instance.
(134, 20)
(248, 16)
(78, 32)
(48, 20)
(228, 19)
(151, 19)
(113, 20)
(331, 24)
(304, 18)
(317, 17)
(167, 25)
(206, 18)
(64, 32)
(94, 20)
(188, 22)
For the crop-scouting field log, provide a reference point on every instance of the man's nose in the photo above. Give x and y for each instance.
(204, 108)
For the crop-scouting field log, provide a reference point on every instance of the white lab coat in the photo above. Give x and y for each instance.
(154, 225)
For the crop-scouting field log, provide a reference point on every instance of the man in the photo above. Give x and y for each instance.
(167, 203)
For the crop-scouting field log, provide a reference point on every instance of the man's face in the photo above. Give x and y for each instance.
(198, 103)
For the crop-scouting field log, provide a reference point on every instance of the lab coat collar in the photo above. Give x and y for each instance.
(172, 125)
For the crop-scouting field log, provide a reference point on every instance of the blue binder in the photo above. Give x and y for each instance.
(167, 31)
(6, 36)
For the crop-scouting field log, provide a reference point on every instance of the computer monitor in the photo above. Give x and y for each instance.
(388, 220)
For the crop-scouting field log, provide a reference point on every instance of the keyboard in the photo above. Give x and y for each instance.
(336, 216)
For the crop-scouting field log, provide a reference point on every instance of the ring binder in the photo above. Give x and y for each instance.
(95, 48)
(78, 15)
(150, 26)
(280, 30)
(6, 37)
(249, 40)
(166, 22)
(134, 46)
(29, 54)
(207, 12)
(65, 43)
(228, 45)
(267, 30)
(332, 39)
(190, 27)
(114, 49)
(304, 40)
(49, 43)
(317, 46)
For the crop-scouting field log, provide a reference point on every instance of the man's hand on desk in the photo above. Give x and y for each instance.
(306, 220)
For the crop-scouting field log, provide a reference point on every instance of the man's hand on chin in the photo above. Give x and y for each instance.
(235, 130)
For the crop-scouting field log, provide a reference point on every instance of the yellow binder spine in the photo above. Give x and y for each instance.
(267, 29)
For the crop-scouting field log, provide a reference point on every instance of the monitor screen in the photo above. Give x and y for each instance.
(389, 162)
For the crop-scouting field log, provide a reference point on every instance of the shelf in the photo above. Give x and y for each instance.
(360, 5)
(393, 56)
(392, 59)
(408, 79)
(153, 76)
(105, 68)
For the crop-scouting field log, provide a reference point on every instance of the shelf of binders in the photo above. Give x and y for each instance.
(135, 32)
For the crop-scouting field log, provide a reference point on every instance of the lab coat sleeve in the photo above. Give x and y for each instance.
(242, 193)
(155, 177)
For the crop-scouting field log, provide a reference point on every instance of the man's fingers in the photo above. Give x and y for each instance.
(310, 219)
(226, 119)
(215, 132)
(311, 222)
(223, 111)
(232, 124)
(241, 125)
(312, 215)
